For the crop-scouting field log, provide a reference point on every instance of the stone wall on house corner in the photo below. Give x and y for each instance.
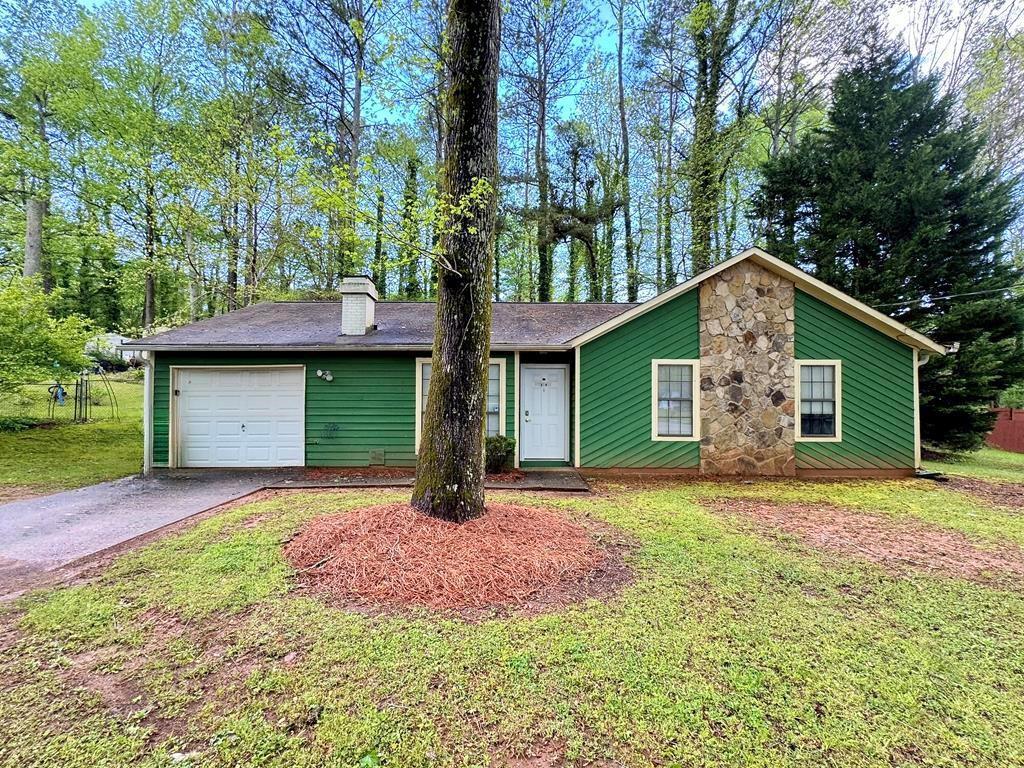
(747, 386)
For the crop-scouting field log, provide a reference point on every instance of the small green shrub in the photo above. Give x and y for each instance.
(16, 423)
(498, 453)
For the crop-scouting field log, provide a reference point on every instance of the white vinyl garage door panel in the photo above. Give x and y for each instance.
(240, 418)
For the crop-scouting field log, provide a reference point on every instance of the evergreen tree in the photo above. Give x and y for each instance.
(890, 203)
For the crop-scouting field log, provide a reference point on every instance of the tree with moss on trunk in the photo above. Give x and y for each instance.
(450, 472)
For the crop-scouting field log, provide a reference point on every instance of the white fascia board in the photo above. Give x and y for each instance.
(332, 348)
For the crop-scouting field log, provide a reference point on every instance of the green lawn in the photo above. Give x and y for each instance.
(987, 464)
(734, 647)
(44, 459)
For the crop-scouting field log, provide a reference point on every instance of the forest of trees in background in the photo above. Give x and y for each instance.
(166, 160)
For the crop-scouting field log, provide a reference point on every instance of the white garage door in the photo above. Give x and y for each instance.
(242, 417)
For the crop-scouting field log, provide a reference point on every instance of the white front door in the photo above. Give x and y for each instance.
(239, 417)
(544, 412)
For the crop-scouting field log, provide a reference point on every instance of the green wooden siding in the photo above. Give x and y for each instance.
(877, 390)
(615, 388)
(370, 405)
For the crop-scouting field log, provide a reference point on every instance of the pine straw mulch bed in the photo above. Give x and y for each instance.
(1001, 494)
(896, 544)
(518, 559)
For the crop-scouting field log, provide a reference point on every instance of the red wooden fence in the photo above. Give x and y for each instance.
(1008, 433)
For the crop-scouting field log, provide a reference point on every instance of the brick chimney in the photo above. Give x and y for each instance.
(358, 299)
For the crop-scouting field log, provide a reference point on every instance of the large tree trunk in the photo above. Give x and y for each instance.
(704, 187)
(632, 274)
(36, 209)
(570, 283)
(35, 214)
(593, 273)
(410, 252)
(230, 225)
(149, 300)
(195, 282)
(667, 248)
(252, 271)
(450, 473)
(711, 46)
(659, 193)
(234, 246)
(380, 268)
(545, 262)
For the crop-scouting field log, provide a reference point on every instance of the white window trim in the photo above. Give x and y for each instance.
(695, 412)
(515, 389)
(502, 387)
(838, 437)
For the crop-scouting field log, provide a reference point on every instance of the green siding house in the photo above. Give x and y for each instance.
(750, 368)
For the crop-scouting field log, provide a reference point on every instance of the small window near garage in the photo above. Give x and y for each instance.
(819, 388)
(494, 399)
(674, 415)
(495, 413)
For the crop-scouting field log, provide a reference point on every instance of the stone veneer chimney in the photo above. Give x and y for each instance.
(747, 389)
(358, 299)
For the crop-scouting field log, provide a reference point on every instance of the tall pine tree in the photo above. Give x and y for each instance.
(890, 203)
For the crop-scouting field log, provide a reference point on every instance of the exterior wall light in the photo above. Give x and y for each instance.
(325, 375)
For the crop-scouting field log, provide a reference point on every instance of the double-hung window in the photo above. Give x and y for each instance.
(674, 400)
(819, 400)
(495, 412)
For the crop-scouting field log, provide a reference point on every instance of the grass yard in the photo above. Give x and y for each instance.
(989, 464)
(736, 645)
(52, 458)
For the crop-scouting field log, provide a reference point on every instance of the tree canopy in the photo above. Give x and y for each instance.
(890, 202)
(167, 160)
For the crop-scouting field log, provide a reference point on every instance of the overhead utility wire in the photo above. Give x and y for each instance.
(952, 296)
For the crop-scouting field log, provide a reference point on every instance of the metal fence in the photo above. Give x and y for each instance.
(90, 397)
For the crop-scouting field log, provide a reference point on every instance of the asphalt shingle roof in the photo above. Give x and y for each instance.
(317, 324)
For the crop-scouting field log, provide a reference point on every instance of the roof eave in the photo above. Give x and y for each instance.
(327, 347)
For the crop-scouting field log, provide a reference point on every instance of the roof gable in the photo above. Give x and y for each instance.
(811, 285)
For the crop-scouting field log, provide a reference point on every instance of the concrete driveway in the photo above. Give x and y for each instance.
(43, 533)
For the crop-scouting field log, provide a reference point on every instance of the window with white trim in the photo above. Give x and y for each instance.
(494, 415)
(673, 411)
(819, 384)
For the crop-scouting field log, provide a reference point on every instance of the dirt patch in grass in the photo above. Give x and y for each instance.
(1001, 494)
(896, 544)
(9, 493)
(508, 476)
(517, 558)
(360, 473)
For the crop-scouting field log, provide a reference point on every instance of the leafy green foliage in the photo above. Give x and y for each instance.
(892, 203)
(35, 346)
(499, 452)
